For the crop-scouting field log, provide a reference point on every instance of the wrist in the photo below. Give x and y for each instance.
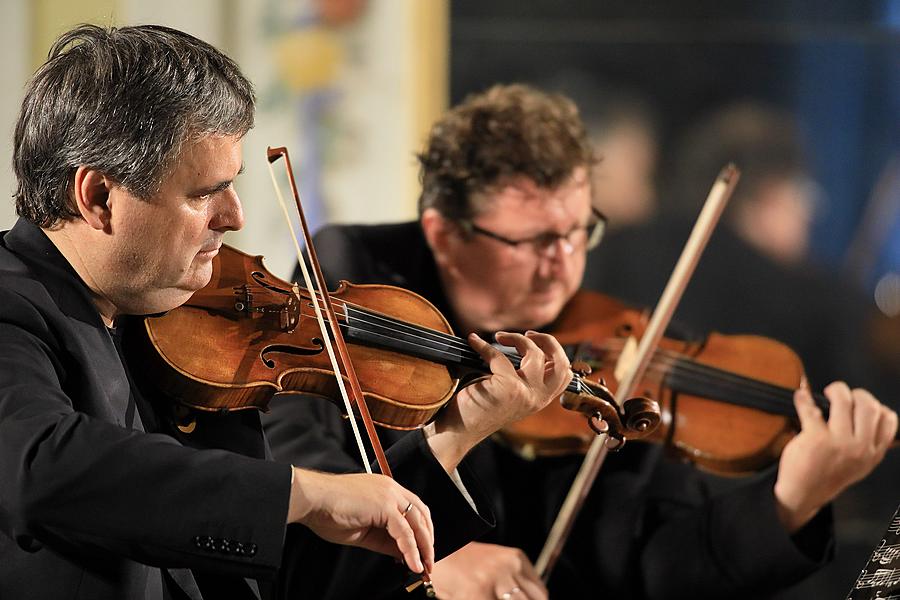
(301, 502)
(792, 511)
(449, 444)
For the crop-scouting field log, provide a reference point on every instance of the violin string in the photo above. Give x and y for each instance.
(740, 389)
(744, 390)
(398, 326)
(688, 365)
(756, 394)
(366, 316)
(742, 386)
(385, 326)
(395, 326)
(435, 341)
(446, 345)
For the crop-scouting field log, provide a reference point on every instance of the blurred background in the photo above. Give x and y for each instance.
(805, 96)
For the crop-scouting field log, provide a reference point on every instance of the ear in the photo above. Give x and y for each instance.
(440, 233)
(91, 196)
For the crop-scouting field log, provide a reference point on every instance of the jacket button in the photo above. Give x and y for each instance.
(251, 550)
(238, 549)
(198, 541)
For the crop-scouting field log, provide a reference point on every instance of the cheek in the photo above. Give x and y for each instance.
(576, 272)
(495, 272)
(185, 235)
(170, 257)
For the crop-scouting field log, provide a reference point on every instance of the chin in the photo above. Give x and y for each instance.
(545, 313)
(166, 298)
(536, 320)
(194, 280)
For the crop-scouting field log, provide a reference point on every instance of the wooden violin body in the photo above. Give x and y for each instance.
(245, 336)
(726, 400)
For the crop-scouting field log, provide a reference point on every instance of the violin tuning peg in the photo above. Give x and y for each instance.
(581, 368)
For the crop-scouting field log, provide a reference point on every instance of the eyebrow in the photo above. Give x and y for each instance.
(217, 187)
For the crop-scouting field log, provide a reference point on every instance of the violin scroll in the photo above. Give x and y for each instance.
(637, 418)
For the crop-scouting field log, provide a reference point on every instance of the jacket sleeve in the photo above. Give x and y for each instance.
(78, 483)
(732, 545)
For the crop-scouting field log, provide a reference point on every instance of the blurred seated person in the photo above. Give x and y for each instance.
(506, 222)
(621, 127)
(754, 276)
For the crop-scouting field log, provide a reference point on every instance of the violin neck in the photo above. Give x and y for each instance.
(371, 329)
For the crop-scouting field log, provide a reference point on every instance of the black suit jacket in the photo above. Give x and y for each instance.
(650, 528)
(89, 500)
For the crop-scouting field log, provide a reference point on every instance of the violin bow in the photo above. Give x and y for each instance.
(322, 301)
(709, 216)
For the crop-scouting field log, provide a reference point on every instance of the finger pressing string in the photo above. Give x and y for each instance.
(807, 411)
(496, 360)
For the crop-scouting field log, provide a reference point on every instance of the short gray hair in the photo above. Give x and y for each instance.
(122, 101)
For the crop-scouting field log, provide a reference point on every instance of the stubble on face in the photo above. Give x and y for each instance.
(158, 253)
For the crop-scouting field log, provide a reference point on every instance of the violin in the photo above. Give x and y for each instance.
(726, 400)
(248, 335)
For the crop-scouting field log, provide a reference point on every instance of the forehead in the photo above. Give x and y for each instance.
(524, 195)
(208, 157)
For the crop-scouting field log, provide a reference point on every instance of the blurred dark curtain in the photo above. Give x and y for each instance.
(836, 64)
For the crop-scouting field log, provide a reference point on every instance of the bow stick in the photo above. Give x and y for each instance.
(322, 301)
(684, 269)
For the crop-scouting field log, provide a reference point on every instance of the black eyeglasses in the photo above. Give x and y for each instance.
(586, 237)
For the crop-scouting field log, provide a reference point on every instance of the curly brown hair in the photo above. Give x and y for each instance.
(490, 138)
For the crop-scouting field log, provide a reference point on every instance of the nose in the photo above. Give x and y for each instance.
(559, 247)
(554, 256)
(229, 215)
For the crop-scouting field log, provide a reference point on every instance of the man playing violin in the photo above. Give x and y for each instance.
(506, 221)
(126, 150)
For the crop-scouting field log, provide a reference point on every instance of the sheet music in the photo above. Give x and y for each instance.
(895, 526)
(880, 579)
(886, 554)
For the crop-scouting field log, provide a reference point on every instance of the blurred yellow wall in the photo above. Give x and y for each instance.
(49, 18)
(392, 94)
